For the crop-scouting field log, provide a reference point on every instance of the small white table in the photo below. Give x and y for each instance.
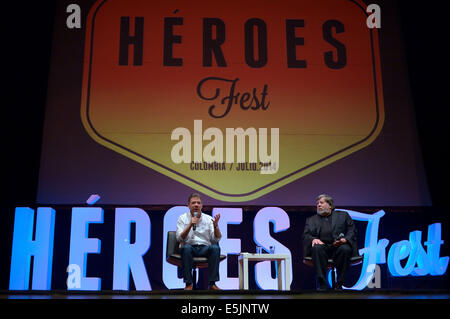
(243, 268)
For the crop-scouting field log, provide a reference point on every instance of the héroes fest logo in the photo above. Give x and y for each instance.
(235, 98)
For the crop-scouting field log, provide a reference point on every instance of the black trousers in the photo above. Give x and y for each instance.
(341, 256)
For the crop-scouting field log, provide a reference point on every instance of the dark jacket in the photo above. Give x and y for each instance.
(341, 222)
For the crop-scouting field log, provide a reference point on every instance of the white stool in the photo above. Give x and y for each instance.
(243, 268)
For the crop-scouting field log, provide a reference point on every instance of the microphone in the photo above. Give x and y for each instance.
(195, 225)
(338, 238)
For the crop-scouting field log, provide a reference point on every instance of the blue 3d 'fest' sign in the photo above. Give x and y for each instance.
(133, 241)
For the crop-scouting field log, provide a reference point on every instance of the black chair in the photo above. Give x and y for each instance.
(355, 260)
(173, 256)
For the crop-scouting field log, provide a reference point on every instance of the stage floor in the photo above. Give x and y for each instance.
(229, 294)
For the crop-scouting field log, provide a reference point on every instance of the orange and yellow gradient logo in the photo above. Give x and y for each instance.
(233, 98)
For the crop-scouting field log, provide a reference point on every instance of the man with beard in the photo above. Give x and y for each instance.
(329, 234)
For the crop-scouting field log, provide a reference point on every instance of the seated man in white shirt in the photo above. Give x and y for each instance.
(199, 235)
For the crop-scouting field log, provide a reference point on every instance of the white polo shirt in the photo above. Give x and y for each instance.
(204, 231)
